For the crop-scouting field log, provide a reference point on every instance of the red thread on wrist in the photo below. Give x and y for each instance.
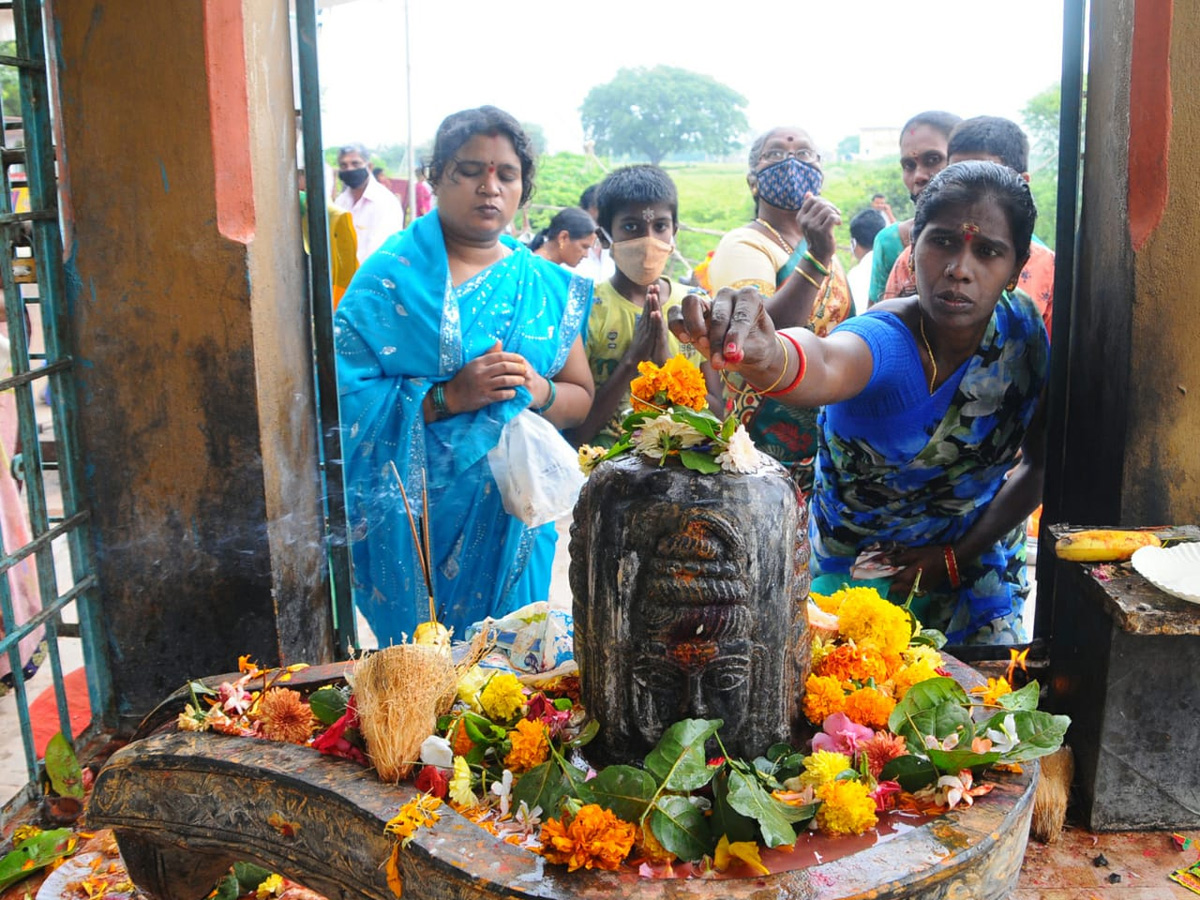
(801, 366)
(951, 566)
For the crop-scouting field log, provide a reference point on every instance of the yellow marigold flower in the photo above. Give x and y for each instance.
(419, 812)
(530, 746)
(272, 886)
(822, 698)
(829, 603)
(993, 690)
(187, 721)
(23, 833)
(503, 697)
(870, 707)
(867, 618)
(589, 457)
(820, 649)
(651, 849)
(285, 716)
(594, 839)
(745, 851)
(460, 784)
(469, 687)
(824, 766)
(850, 663)
(915, 653)
(911, 674)
(846, 808)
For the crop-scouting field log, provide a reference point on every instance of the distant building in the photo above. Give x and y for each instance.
(878, 142)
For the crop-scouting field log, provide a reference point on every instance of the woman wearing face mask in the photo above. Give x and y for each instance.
(787, 254)
(567, 239)
(638, 210)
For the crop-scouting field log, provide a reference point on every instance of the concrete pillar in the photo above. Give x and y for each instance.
(1132, 453)
(192, 333)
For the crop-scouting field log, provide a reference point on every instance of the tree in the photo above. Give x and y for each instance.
(849, 147)
(1040, 117)
(651, 113)
(537, 137)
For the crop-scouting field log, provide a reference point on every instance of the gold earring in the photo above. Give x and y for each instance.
(1011, 286)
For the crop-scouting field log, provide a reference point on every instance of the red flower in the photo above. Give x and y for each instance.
(432, 780)
(542, 709)
(333, 741)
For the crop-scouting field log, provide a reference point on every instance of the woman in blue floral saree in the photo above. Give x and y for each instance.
(445, 334)
(931, 441)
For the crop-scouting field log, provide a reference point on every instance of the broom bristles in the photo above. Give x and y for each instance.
(1052, 795)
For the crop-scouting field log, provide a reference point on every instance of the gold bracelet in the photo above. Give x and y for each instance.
(808, 277)
(786, 363)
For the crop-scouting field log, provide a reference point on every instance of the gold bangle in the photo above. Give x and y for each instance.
(808, 277)
(786, 364)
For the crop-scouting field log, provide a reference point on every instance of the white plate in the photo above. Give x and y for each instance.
(1175, 570)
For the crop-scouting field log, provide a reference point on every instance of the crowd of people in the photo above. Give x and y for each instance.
(903, 397)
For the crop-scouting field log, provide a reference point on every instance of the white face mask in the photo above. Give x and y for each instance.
(642, 260)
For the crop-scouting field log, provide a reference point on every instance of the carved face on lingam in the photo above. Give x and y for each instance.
(689, 603)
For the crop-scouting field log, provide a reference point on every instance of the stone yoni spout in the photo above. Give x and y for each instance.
(689, 599)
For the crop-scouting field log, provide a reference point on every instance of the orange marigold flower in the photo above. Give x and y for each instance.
(594, 839)
(870, 707)
(846, 808)
(460, 741)
(909, 675)
(823, 696)
(530, 746)
(678, 382)
(881, 750)
(651, 850)
(285, 716)
(849, 663)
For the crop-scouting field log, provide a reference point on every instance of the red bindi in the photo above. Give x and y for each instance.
(491, 169)
(969, 230)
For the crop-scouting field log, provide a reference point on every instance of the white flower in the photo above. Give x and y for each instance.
(662, 434)
(435, 751)
(1004, 740)
(951, 741)
(528, 818)
(740, 455)
(954, 789)
(503, 790)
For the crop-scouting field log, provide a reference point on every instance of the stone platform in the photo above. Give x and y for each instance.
(184, 806)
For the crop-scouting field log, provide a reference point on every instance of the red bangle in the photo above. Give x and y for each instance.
(952, 566)
(801, 366)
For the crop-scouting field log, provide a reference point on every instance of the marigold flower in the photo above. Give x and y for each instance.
(909, 675)
(744, 851)
(285, 716)
(823, 697)
(824, 766)
(460, 784)
(916, 653)
(416, 813)
(530, 746)
(993, 690)
(460, 741)
(589, 457)
(867, 618)
(272, 886)
(679, 382)
(881, 750)
(829, 603)
(870, 707)
(846, 808)
(847, 662)
(503, 698)
(594, 839)
(469, 687)
(651, 850)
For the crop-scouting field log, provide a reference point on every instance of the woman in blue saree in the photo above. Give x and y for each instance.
(446, 334)
(931, 440)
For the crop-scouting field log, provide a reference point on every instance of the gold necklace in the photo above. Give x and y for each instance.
(929, 350)
(779, 237)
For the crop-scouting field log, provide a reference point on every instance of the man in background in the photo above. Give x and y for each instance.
(863, 228)
(376, 211)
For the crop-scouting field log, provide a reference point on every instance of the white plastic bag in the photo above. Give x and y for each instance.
(536, 469)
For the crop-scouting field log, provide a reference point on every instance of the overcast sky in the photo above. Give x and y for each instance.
(831, 67)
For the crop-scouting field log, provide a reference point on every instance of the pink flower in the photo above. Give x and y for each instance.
(883, 794)
(542, 709)
(234, 699)
(841, 735)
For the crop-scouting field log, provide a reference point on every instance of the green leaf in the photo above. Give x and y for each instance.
(728, 427)
(726, 820)
(62, 767)
(562, 704)
(790, 766)
(542, 786)
(576, 783)
(681, 827)
(778, 751)
(1040, 733)
(482, 731)
(678, 762)
(751, 799)
(912, 772)
(1024, 699)
(328, 704)
(930, 637)
(227, 888)
(951, 762)
(35, 853)
(200, 689)
(250, 876)
(699, 462)
(704, 421)
(585, 737)
(937, 706)
(625, 790)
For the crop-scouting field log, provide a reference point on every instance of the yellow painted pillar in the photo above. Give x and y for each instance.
(192, 333)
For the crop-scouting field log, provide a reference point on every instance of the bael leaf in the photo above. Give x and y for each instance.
(250, 876)
(677, 762)
(200, 689)
(750, 798)
(930, 637)
(681, 827)
(624, 790)
(542, 786)
(1025, 699)
(585, 737)
(699, 462)
(227, 888)
(726, 820)
(936, 706)
(1040, 733)
(328, 704)
(778, 751)
(577, 785)
(728, 427)
(62, 767)
(703, 421)
(911, 772)
(951, 762)
(35, 853)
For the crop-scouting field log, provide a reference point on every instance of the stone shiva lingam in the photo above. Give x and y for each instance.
(689, 602)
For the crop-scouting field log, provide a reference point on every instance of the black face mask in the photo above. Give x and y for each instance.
(354, 178)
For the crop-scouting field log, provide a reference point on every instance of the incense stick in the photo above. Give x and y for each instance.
(413, 526)
(428, 544)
